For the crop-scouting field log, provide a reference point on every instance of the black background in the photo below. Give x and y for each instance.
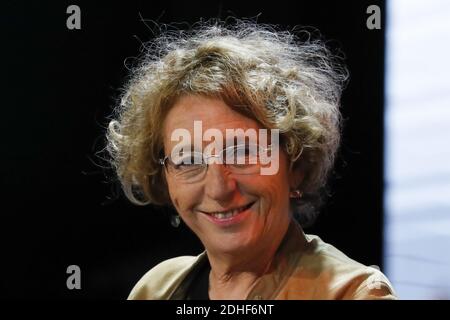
(58, 86)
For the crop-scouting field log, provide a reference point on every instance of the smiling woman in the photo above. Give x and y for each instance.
(246, 78)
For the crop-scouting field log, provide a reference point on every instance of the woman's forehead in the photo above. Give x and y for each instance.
(213, 113)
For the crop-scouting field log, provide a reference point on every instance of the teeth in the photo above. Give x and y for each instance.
(228, 214)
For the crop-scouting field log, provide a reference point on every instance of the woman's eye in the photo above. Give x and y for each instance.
(245, 155)
(247, 151)
(188, 161)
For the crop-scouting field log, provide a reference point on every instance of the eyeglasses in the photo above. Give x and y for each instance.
(191, 166)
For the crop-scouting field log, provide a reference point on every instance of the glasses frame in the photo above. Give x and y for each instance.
(205, 158)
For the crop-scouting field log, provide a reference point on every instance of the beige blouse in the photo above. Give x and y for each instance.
(304, 267)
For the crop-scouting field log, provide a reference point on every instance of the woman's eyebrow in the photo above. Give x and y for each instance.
(239, 139)
(245, 139)
(186, 147)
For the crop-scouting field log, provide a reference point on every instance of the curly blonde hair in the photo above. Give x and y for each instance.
(268, 75)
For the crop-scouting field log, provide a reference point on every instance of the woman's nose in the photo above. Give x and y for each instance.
(218, 184)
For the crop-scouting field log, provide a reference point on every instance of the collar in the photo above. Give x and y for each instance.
(284, 264)
(269, 285)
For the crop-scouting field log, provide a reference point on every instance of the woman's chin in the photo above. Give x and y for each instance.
(231, 244)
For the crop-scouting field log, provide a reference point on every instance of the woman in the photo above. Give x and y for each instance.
(239, 193)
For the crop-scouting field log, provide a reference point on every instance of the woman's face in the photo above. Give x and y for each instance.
(264, 198)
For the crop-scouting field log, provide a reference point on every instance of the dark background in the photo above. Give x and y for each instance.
(58, 86)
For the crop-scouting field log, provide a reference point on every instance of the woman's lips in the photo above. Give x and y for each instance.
(226, 218)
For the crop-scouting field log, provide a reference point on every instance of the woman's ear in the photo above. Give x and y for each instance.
(296, 175)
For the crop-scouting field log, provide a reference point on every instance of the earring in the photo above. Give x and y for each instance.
(175, 220)
(296, 194)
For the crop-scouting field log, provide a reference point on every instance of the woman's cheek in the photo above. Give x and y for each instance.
(184, 199)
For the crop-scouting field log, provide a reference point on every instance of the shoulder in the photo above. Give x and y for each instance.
(163, 279)
(341, 276)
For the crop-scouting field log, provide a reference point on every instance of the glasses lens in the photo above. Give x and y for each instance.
(187, 166)
(243, 159)
(190, 167)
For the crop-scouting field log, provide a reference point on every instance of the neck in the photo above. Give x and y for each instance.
(233, 276)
